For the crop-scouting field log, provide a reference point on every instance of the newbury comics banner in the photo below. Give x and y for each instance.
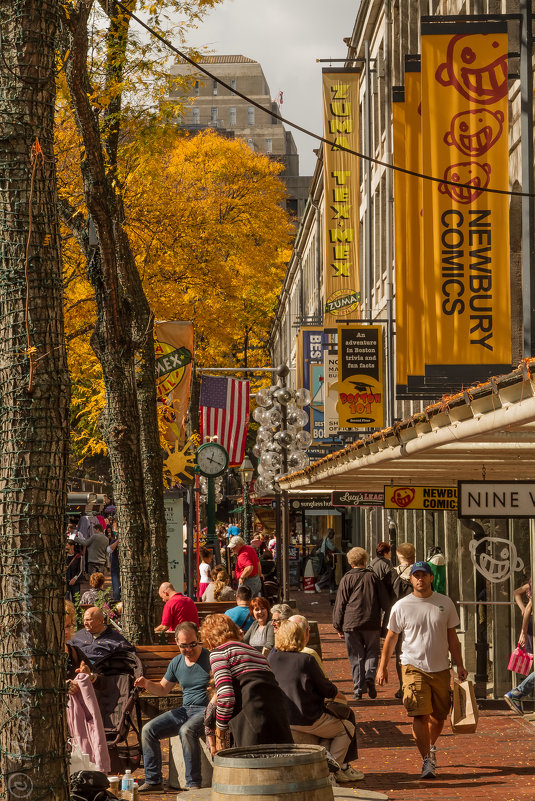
(173, 345)
(466, 232)
(360, 376)
(341, 184)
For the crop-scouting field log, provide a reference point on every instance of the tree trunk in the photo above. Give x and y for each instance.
(34, 426)
(114, 344)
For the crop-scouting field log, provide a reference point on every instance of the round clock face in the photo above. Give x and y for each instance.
(212, 459)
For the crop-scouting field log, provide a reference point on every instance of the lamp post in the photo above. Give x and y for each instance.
(246, 473)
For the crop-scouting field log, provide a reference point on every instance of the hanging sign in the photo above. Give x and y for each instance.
(430, 498)
(496, 499)
(360, 376)
(341, 178)
(354, 498)
(465, 141)
(173, 345)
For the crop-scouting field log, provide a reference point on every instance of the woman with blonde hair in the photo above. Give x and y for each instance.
(219, 588)
(306, 689)
(249, 701)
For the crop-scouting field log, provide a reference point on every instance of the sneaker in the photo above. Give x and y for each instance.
(358, 695)
(333, 765)
(332, 780)
(428, 768)
(150, 788)
(370, 684)
(433, 754)
(399, 693)
(348, 774)
(317, 587)
(514, 701)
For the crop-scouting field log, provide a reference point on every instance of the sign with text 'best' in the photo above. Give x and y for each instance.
(342, 186)
(496, 499)
(434, 499)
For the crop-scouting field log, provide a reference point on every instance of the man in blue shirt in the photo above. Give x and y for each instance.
(191, 669)
(240, 613)
(97, 639)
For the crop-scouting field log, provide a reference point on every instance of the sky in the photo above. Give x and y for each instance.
(286, 37)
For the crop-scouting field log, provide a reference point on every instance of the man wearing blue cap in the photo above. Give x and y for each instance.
(427, 621)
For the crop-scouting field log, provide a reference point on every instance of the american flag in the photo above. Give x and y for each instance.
(225, 414)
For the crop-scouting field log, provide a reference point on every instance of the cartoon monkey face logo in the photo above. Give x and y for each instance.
(474, 132)
(476, 66)
(403, 496)
(475, 177)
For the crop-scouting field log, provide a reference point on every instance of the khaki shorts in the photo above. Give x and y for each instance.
(426, 693)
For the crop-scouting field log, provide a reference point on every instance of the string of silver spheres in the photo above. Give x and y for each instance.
(273, 441)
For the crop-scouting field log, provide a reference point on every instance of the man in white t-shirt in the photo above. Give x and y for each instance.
(427, 620)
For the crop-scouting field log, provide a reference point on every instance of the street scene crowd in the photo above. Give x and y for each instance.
(248, 676)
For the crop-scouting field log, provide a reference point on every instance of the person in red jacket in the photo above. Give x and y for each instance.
(178, 608)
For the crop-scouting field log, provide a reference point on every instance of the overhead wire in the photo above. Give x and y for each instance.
(200, 68)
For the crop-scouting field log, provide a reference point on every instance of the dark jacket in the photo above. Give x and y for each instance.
(304, 685)
(259, 715)
(359, 601)
(383, 570)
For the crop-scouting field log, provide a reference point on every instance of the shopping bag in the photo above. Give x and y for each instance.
(465, 714)
(521, 661)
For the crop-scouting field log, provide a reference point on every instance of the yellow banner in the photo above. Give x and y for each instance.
(414, 225)
(341, 175)
(400, 235)
(466, 230)
(173, 344)
(430, 498)
(360, 377)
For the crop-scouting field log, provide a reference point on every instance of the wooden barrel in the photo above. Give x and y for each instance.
(314, 639)
(272, 773)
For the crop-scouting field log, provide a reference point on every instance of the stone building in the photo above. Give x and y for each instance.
(214, 106)
(429, 439)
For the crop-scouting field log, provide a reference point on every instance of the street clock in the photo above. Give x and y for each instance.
(212, 459)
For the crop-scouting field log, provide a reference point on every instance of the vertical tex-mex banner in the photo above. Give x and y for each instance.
(173, 345)
(466, 230)
(341, 173)
(360, 376)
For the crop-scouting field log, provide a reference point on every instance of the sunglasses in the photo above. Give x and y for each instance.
(183, 646)
(276, 623)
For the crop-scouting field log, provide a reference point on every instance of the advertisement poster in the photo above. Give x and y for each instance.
(465, 141)
(430, 498)
(173, 345)
(341, 178)
(360, 377)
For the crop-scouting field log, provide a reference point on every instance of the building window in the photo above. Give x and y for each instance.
(250, 142)
(233, 83)
(250, 115)
(214, 87)
(196, 116)
(197, 86)
(232, 115)
(213, 114)
(269, 145)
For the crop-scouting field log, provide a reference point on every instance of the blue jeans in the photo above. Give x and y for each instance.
(525, 687)
(116, 586)
(188, 722)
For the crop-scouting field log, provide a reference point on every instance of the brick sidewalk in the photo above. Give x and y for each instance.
(496, 764)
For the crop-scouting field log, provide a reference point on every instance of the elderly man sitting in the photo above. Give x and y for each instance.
(97, 639)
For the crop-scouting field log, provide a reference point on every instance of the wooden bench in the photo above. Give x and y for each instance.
(205, 608)
(155, 660)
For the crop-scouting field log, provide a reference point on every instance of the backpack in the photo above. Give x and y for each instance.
(401, 583)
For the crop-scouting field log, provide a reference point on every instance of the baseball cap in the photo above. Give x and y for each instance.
(422, 566)
(234, 542)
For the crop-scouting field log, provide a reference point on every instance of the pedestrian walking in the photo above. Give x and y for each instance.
(357, 618)
(427, 621)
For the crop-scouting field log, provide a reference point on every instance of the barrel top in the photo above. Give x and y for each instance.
(266, 756)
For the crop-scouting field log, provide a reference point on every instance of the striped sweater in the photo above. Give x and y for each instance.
(227, 662)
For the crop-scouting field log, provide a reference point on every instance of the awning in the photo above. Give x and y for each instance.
(486, 432)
